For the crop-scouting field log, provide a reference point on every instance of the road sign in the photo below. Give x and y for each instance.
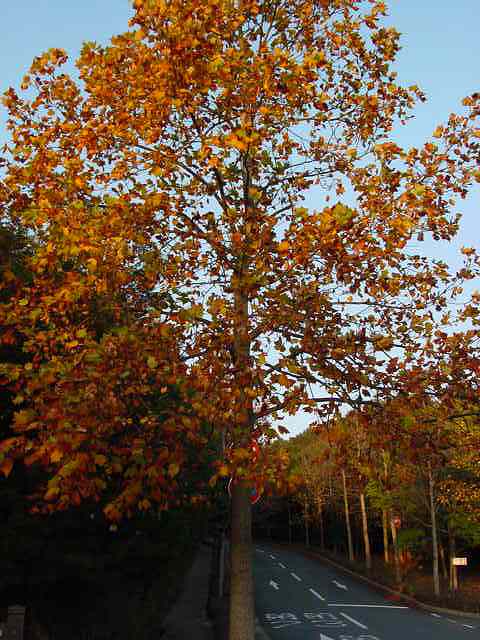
(459, 562)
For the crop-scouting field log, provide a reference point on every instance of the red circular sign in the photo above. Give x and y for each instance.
(255, 493)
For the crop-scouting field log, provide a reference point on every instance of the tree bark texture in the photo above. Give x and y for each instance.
(320, 522)
(443, 561)
(242, 608)
(306, 522)
(452, 551)
(366, 537)
(433, 515)
(386, 555)
(242, 611)
(289, 523)
(396, 554)
(351, 555)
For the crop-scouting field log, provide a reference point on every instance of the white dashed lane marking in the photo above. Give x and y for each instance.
(317, 595)
(296, 577)
(353, 621)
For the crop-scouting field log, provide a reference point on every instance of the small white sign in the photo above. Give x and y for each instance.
(459, 562)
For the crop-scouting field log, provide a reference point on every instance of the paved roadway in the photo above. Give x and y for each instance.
(298, 598)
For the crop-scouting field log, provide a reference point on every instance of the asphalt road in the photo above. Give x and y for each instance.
(298, 598)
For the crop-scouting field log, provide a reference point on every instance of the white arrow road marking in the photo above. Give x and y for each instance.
(324, 637)
(469, 626)
(353, 621)
(296, 577)
(340, 585)
(369, 606)
(435, 615)
(273, 584)
(317, 594)
(282, 565)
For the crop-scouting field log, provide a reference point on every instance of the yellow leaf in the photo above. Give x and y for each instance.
(152, 363)
(100, 460)
(51, 494)
(91, 265)
(173, 469)
(6, 467)
(283, 246)
(223, 471)
(56, 455)
(23, 417)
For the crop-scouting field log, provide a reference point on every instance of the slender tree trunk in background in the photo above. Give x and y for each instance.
(306, 522)
(366, 537)
(289, 523)
(386, 555)
(396, 554)
(242, 612)
(320, 522)
(433, 515)
(221, 565)
(351, 555)
(453, 568)
(443, 562)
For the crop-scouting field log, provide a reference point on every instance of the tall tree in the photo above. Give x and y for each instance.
(187, 156)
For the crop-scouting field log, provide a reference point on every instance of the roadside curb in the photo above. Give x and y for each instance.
(381, 587)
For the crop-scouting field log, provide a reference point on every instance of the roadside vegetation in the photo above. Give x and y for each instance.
(397, 504)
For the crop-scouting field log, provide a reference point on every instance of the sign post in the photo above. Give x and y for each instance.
(457, 562)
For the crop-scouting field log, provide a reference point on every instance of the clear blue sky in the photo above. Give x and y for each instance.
(441, 53)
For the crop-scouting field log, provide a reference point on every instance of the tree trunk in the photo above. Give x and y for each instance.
(306, 522)
(242, 612)
(366, 538)
(396, 554)
(433, 515)
(289, 523)
(385, 536)
(453, 568)
(351, 555)
(443, 562)
(221, 566)
(320, 522)
(242, 608)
